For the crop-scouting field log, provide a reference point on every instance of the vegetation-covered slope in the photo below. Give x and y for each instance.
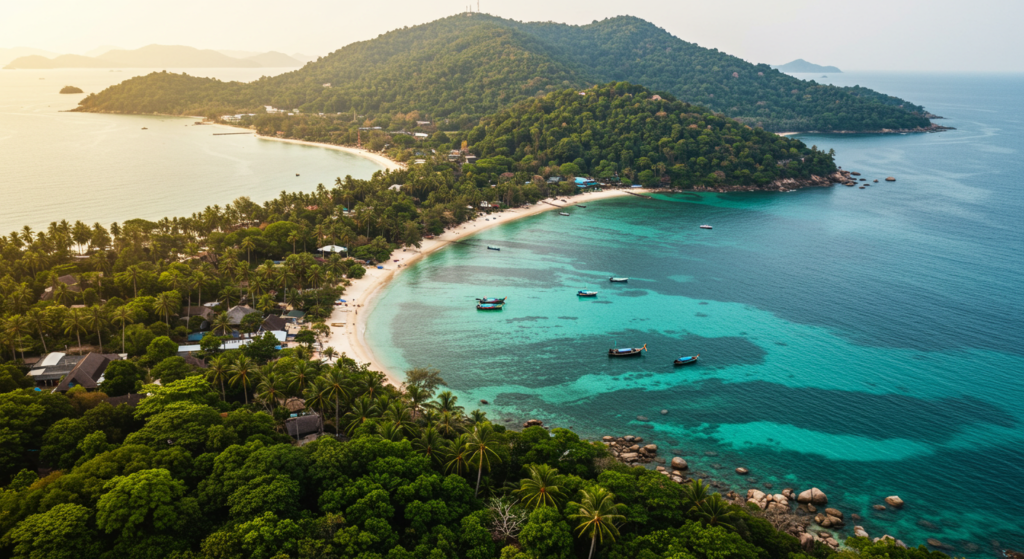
(462, 68)
(624, 128)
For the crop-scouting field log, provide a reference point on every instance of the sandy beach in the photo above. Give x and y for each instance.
(381, 160)
(349, 337)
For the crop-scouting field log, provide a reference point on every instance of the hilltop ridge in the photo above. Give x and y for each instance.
(463, 68)
(154, 56)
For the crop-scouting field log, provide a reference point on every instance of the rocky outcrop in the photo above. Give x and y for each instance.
(533, 423)
(860, 532)
(628, 450)
(782, 185)
(894, 501)
(679, 464)
(813, 496)
(742, 471)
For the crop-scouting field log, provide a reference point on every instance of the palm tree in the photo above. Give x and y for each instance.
(477, 416)
(359, 412)
(399, 414)
(96, 317)
(714, 511)
(167, 304)
(293, 238)
(16, 327)
(447, 402)
(124, 315)
(316, 399)
(242, 372)
(301, 375)
(542, 488)
(416, 396)
(222, 323)
(133, 272)
(598, 515)
(430, 444)
(390, 431)
(219, 370)
(338, 388)
(199, 280)
(40, 320)
(75, 322)
(272, 386)
(457, 455)
(448, 424)
(695, 493)
(248, 244)
(62, 295)
(481, 443)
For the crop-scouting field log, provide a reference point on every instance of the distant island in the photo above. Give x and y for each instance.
(155, 56)
(801, 66)
(460, 69)
(71, 89)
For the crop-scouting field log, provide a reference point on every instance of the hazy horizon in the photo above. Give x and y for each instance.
(868, 35)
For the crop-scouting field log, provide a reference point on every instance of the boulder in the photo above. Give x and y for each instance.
(859, 532)
(634, 448)
(834, 512)
(651, 448)
(878, 507)
(664, 412)
(824, 535)
(856, 516)
(638, 439)
(642, 418)
(813, 496)
(788, 493)
(628, 456)
(607, 438)
(742, 471)
(936, 543)
(781, 499)
(894, 501)
(660, 468)
(679, 464)
(777, 507)
(807, 542)
(484, 402)
(628, 438)
(890, 179)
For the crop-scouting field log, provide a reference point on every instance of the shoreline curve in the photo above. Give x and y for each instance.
(362, 294)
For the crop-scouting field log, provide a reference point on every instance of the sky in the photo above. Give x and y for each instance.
(855, 35)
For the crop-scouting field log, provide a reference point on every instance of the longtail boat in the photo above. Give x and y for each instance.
(618, 280)
(582, 293)
(488, 307)
(686, 360)
(492, 300)
(626, 351)
(493, 248)
(563, 213)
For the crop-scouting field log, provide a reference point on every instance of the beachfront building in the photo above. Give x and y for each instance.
(582, 182)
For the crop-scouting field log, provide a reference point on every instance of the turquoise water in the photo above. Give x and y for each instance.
(867, 342)
(102, 168)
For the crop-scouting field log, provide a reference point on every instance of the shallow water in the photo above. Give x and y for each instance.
(867, 342)
(102, 168)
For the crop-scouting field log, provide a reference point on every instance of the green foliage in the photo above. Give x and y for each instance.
(262, 348)
(547, 535)
(159, 349)
(460, 69)
(142, 502)
(171, 369)
(121, 377)
(11, 378)
(62, 532)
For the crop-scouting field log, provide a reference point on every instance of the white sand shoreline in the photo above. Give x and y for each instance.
(362, 294)
(377, 158)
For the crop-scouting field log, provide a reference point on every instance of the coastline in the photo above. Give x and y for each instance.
(387, 163)
(361, 295)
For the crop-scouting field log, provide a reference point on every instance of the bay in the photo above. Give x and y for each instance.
(869, 342)
(103, 168)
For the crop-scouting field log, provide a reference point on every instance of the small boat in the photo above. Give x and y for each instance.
(705, 227)
(489, 247)
(618, 280)
(862, 188)
(686, 360)
(296, 174)
(582, 293)
(492, 301)
(563, 213)
(144, 128)
(626, 351)
(488, 307)
(580, 206)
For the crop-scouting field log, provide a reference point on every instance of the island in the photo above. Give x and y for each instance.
(71, 89)
(155, 56)
(801, 66)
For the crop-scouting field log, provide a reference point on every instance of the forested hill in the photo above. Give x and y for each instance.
(625, 129)
(462, 68)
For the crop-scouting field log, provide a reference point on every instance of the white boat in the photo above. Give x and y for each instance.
(705, 227)
(618, 280)
(563, 213)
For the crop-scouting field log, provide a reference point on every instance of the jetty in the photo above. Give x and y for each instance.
(640, 195)
(231, 133)
(550, 204)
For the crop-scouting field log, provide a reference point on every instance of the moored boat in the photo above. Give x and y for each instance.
(686, 360)
(563, 213)
(489, 247)
(626, 351)
(489, 307)
(582, 293)
(580, 206)
(705, 227)
(492, 300)
(618, 280)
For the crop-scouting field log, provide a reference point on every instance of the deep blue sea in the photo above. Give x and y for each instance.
(869, 342)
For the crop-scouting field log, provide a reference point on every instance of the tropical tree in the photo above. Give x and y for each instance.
(361, 410)
(598, 516)
(272, 385)
(167, 303)
(390, 431)
(316, 399)
(242, 372)
(430, 444)
(448, 424)
(124, 315)
(481, 444)
(714, 511)
(458, 456)
(695, 493)
(96, 317)
(221, 323)
(218, 370)
(542, 488)
(75, 323)
(247, 245)
(300, 376)
(40, 320)
(133, 272)
(16, 327)
(338, 388)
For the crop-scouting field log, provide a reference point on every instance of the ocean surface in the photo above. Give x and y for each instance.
(869, 342)
(103, 168)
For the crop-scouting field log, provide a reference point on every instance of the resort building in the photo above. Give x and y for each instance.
(238, 312)
(66, 371)
(70, 281)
